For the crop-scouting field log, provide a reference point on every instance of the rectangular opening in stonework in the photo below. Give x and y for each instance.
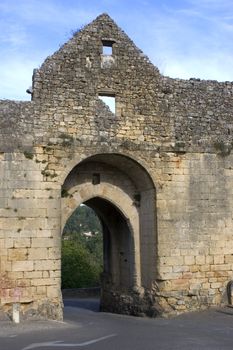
(107, 47)
(96, 179)
(109, 100)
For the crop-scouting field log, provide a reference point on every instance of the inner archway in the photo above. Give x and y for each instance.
(122, 194)
(118, 259)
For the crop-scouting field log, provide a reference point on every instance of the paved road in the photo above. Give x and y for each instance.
(85, 328)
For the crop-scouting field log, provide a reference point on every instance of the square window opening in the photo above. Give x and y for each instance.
(107, 47)
(109, 101)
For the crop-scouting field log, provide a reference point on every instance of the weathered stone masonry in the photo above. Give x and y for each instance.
(159, 173)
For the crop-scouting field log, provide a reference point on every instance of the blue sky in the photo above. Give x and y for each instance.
(183, 38)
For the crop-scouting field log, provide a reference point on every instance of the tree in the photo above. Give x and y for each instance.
(78, 268)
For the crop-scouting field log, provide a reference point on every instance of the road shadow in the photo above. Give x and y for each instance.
(227, 310)
(91, 304)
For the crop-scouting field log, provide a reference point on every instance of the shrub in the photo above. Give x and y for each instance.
(79, 270)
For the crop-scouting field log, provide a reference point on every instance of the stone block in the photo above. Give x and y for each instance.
(43, 282)
(181, 268)
(171, 261)
(189, 260)
(200, 260)
(22, 266)
(32, 274)
(42, 290)
(17, 254)
(229, 259)
(206, 285)
(37, 253)
(47, 265)
(22, 243)
(218, 259)
(53, 292)
(46, 274)
(216, 285)
(205, 268)
(180, 284)
(220, 267)
(42, 242)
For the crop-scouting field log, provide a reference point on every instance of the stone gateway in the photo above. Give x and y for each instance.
(156, 166)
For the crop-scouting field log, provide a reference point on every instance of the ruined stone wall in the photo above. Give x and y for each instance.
(201, 113)
(179, 131)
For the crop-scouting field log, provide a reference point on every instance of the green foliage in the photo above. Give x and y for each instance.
(78, 267)
(82, 255)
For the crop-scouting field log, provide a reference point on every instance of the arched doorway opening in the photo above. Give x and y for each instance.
(122, 194)
(118, 246)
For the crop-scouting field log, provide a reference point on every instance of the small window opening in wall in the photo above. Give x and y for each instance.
(107, 47)
(95, 179)
(110, 101)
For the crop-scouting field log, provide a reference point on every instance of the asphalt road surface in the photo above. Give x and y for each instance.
(85, 328)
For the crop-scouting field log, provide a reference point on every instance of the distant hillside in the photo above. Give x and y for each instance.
(83, 220)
